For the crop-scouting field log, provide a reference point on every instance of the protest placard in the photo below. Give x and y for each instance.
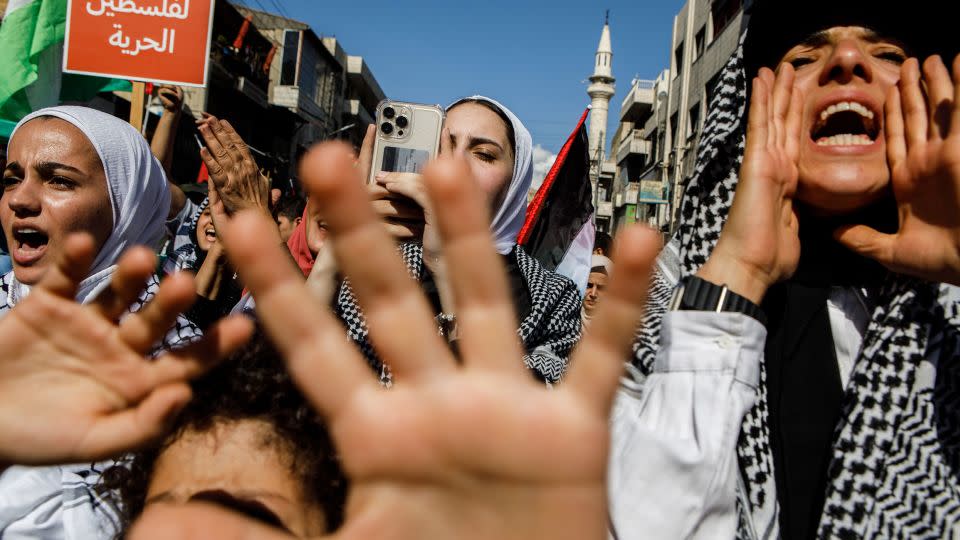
(166, 41)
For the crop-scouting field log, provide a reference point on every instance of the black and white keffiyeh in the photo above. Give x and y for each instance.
(896, 451)
(180, 251)
(549, 331)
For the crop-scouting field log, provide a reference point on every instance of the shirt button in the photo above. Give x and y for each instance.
(725, 342)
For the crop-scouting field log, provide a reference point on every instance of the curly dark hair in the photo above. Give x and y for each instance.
(291, 207)
(251, 385)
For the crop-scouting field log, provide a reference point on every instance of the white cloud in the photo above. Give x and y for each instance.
(542, 161)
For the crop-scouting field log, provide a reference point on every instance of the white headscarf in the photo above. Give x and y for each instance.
(139, 196)
(508, 218)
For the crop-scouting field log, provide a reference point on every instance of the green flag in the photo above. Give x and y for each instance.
(31, 56)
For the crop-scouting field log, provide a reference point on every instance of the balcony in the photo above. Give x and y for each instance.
(298, 102)
(356, 110)
(605, 209)
(633, 144)
(638, 104)
(363, 84)
(252, 90)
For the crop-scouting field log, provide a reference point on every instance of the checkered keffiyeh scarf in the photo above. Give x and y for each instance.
(181, 251)
(548, 332)
(896, 452)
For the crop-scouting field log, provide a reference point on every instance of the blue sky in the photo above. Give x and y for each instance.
(534, 56)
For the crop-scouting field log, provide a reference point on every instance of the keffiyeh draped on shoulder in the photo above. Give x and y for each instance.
(548, 332)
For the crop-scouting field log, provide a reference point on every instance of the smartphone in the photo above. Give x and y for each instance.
(408, 136)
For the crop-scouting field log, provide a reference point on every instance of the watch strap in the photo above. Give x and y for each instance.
(698, 294)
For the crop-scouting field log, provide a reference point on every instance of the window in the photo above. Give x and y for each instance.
(700, 42)
(694, 121)
(712, 85)
(723, 13)
(291, 57)
(674, 120)
(308, 81)
(678, 58)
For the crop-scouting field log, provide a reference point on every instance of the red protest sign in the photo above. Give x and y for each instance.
(165, 41)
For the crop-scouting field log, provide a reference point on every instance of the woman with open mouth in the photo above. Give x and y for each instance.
(71, 170)
(75, 169)
(826, 184)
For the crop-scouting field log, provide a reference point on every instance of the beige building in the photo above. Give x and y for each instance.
(635, 155)
(661, 120)
(313, 77)
(282, 86)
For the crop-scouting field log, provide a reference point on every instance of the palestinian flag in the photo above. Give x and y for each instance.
(31, 57)
(559, 227)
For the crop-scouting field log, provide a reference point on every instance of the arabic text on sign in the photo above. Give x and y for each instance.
(170, 9)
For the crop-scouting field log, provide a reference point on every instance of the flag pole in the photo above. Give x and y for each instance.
(136, 104)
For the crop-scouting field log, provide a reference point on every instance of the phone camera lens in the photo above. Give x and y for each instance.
(401, 121)
(386, 127)
(388, 112)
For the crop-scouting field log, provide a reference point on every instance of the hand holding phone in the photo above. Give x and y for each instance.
(405, 138)
(408, 136)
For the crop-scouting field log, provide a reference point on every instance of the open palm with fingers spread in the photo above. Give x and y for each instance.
(923, 151)
(75, 384)
(475, 449)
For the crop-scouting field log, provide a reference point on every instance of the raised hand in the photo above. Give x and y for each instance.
(233, 171)
(75, 385)
(471, 450)
(759, 244)
(923, 151)
(171, 97)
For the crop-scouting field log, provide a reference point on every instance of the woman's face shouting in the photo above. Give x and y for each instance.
(53, 185)
(844, 74)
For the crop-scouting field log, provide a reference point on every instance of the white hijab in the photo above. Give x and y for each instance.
(509, 217)
(139, 196)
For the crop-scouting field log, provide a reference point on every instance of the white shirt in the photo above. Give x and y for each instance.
(849, 316)
(673, 465)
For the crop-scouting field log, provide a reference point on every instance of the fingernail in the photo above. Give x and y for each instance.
(381, 175)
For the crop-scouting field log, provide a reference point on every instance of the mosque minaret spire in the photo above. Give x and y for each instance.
(601, 89)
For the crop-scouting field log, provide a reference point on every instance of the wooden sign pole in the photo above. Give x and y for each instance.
(136, 104)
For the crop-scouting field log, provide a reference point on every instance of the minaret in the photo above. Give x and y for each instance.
(600, 91)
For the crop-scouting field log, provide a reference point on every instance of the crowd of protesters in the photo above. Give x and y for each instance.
(384, 361)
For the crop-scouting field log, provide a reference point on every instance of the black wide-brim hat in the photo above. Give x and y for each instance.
(923, 27)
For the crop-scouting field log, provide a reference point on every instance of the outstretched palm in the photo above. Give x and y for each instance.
(478, 450)
(75, 384)
(923, 149)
